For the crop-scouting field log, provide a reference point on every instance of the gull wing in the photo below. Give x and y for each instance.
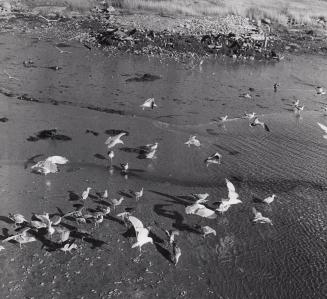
(205, 212)
(57, 160)
(137, 224)
(232, 195)
(142, 233)
(192, 208)
(323, 127)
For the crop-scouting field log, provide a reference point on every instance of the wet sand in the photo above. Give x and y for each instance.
(92, 92)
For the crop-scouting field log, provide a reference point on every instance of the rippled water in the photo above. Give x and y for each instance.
(90, 92)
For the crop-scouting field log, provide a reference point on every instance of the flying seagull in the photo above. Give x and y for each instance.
(233, 198)
(258, 218)
(149, 103)
(214, 159)
(256, 122)
(114, 140)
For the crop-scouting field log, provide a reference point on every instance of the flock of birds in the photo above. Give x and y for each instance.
(53, 227)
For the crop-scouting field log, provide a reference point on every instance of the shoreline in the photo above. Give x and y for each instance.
(166, 36)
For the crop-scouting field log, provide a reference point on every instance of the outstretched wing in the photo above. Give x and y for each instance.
(57, 160)
(323, 127)
(232, 195)
(137, 224)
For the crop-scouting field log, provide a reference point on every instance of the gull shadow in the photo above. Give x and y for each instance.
(114, 219)
(96, 243)
(257, 199)
(131, 150)
(31, 160)
(212, 132)
(113, 132)
(230, 152)
(6, 219)
(176, 216)
(157, 241)
(181, 200)
(94, 133)
(125, 194)
(100, 157)
(73, 196)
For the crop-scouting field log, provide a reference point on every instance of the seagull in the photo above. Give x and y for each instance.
(21, 238)
(258, 218)
(56, 220)
(98, 219)
(233, 198)
(151, 147)
(10, 77)
(142, 233)
(114, 140)
(149, 103)
(86, 193)
(138, 194)
(324, 109)
(324, 128)
(104, 210)
(171, 235)
(256, 122)
(249, 115)
(223, 118)
(115, 202)
(49, 165)
(68, 247)
(63, 51)
(200, 210)
(201, 197)
(37, 224)
(207, 230)
(17, 218)
(320, 90)
(296, 103)
(105, 194)
(64, 234)
(177, 252)
(269, 200)
(246, 96)
(298, 109)
(76, 213)
(214, 159)
(124, 168)
(111, 155)
(46, 219)
(151, 155)
(193, 141)
(275, 86)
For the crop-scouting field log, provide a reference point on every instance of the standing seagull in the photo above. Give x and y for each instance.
(320, 90)
(214, 159)
(17, 218)
(324, 128)
(138, 194)
(124, 168)
(115, 202)
(233, 198)
(113, 140)
(249, 115)
(86, 193)
(256, 122)
(258, 218)
(177, 252)
(193, 141)
(269, 200)
(149, 103)
(276, 85)
(111, 155)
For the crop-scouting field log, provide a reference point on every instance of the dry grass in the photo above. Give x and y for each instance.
(301, 11)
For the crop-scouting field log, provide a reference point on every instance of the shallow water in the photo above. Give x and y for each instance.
(90, 92)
